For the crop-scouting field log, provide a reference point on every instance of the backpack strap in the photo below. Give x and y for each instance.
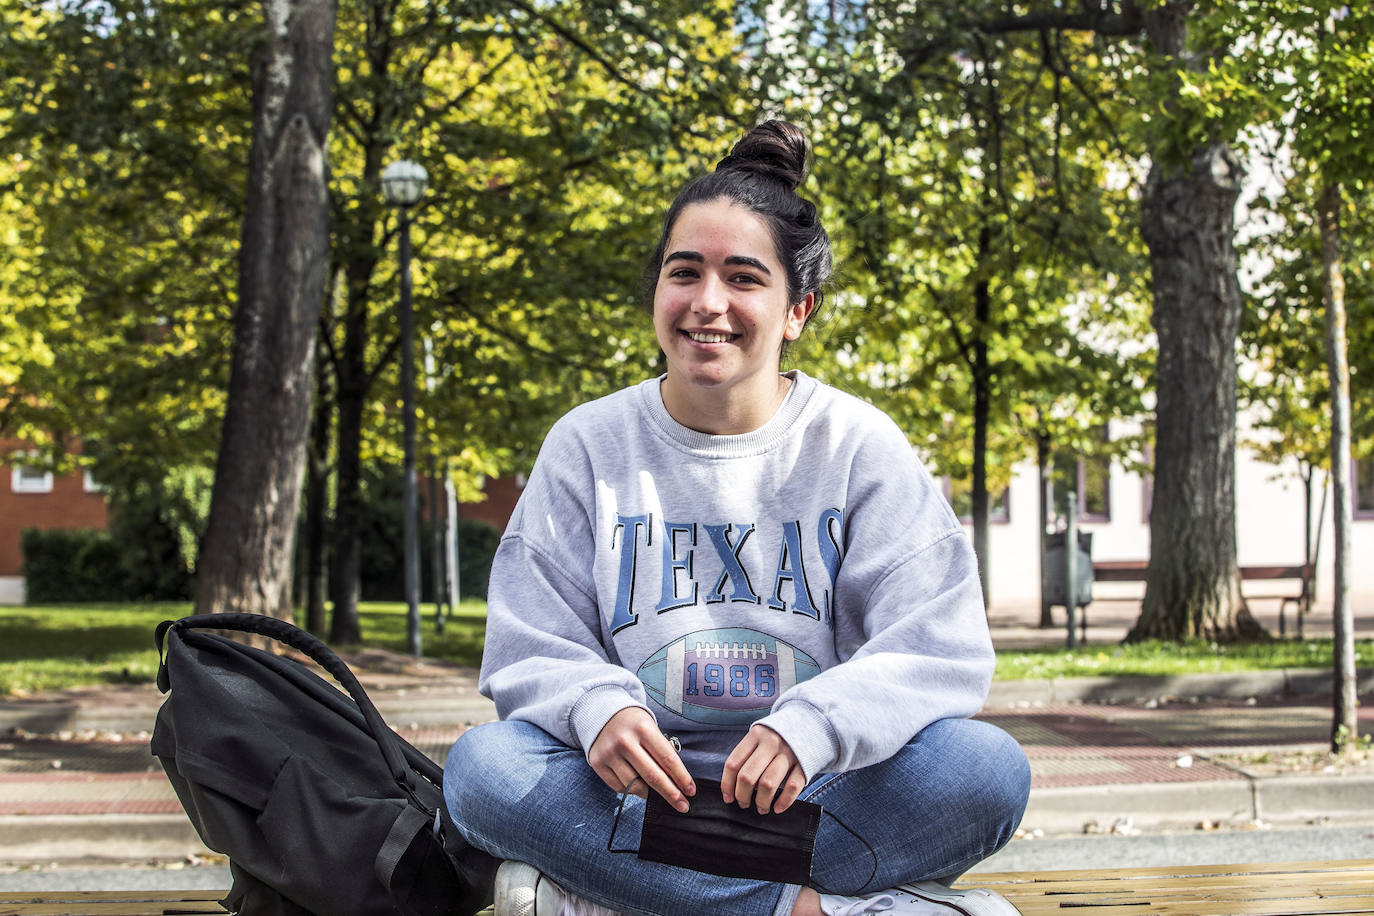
(409, 824)
(317, 651)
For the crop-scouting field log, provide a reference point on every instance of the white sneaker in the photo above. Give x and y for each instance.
(924, 899)
(523, 890)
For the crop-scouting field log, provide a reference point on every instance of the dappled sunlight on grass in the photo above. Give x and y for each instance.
(384, 625)
(48, 647)
(1158, 658)
(51, 647)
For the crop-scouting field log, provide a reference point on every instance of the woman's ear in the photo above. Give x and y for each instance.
(797, 315)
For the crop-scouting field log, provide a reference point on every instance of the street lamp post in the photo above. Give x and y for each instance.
(403, 183)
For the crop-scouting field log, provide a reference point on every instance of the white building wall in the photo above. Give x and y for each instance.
(11, 590)
(1269, 531)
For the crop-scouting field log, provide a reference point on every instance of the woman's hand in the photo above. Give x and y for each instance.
(762, 771)
(631, 755)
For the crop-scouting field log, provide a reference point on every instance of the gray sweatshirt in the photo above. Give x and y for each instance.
(808, 575)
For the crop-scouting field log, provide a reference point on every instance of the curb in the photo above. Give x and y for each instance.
(123, 837)
(1239, 685)
(46, 716)
(1283, 800)
(1241, 803)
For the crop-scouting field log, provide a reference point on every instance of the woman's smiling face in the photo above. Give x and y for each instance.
(720, 309)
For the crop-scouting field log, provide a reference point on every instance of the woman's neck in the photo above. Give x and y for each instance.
(726, 412)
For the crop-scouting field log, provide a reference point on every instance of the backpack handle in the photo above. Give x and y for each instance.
(317, 651)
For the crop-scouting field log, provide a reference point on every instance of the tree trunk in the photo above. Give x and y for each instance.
(344, 625)
(1193, 582)
(1344, 727)
(1192, 586)
(317, 505)
(1042, 463)
(246, 554)
(354, 377)
(982, 410)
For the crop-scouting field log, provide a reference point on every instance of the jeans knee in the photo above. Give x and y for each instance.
(1005, 789)
(464, 760)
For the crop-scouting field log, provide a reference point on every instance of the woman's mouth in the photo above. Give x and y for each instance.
(710, 337)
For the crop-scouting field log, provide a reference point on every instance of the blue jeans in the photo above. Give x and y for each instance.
(948, 799)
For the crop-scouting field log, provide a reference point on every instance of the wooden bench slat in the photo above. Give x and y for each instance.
(1135, 570)
(1294, 889)
(98, 908)
(1297, 889)
(1360, 878)
(1337, 866)
(116, 903)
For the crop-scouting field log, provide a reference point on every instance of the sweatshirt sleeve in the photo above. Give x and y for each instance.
(544, 661)
(910, 628)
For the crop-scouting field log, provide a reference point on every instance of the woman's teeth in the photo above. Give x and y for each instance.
(703, 337)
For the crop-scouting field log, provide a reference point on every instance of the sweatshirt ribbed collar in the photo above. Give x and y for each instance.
(737, 446)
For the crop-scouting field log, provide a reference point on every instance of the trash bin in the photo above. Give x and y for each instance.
(1055, 578)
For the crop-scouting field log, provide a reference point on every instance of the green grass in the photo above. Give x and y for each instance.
(384, 624)
(1155, 658)
(50, 647)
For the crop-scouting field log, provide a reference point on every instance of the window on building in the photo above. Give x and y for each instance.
(960, 496)
(1091, 476)
(1363, 479)
(89, 483)
(26, 479)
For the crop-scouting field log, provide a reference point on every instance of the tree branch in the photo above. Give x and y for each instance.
(1102, 20)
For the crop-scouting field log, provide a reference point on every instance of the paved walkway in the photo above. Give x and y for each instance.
(1107, 755)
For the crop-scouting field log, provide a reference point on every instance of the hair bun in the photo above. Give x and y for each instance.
(776, 149)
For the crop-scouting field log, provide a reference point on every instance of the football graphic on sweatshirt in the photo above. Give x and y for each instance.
(726, 676)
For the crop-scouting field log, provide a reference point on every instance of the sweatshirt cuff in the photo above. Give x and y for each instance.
(809, 735)
(594, 709)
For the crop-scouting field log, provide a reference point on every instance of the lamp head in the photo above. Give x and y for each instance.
(404, 182)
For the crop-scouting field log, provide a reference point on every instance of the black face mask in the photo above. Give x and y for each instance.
(727, 840)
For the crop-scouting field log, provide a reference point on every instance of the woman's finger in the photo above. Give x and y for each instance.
(729, 777)
(791, 790)
(770, 781)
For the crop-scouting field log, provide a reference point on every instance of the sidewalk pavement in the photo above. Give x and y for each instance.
(1108, 755)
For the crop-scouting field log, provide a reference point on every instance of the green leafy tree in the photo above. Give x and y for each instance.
(1314, 64)
(552, 135)
(987, 251)
(121, 155)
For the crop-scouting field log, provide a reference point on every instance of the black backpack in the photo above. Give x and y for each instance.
(320, 807)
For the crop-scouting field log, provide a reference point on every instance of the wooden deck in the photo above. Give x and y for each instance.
(1295, 889)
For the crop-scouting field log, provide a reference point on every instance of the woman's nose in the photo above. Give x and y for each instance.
(712, 297)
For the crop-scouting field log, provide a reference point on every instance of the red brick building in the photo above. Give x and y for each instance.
(496, 509)
(38, 499)
(31, 498)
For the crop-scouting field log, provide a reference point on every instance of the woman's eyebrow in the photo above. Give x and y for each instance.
(748, 262)
(740, 259)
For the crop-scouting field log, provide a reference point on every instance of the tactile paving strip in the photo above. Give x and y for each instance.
(1080, 746)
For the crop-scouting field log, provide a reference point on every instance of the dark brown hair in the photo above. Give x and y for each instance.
(762, 173)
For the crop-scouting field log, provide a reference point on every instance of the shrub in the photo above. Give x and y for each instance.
(477, 543)
(71, 565)
(382, 555)
(154, 560)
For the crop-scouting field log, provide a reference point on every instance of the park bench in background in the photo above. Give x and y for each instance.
(1298, 889)
(1134, 571)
